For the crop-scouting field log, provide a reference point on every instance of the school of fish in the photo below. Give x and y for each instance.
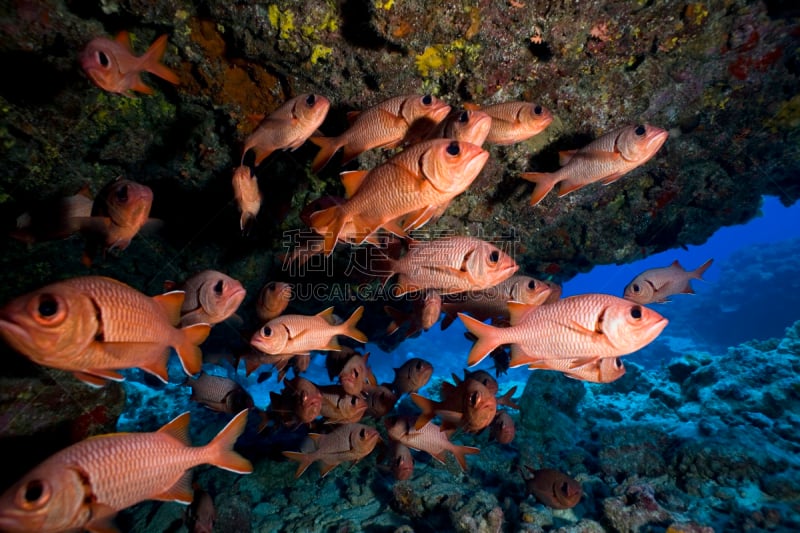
(96, 327)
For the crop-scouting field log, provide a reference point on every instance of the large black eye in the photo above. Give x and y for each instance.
(218, 287)
(636, 287)
(427, 99)
(453, 148)
(639, 130)
(636, 312)
(362, 433)
(353, 400)
(122, 194)
(418, 366)
(473, 398)
(494, 257)
(537, 110)
(565, 488)
(618, 362)
(532, 284)
(103, 59)
(463, 117)
(266, 331)
(48, 306)
(355, 372)
(34, 490)
(311, 100)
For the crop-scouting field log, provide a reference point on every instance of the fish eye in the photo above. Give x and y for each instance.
(565, 488)
(362, 433)
(353, 400)
(218, 287)
(532, 284)
(102, 58)
(122, 193)
(427, 99)
(636, 287)
(33, 494)
(494, 257)
(48, 306)
(636, 312)
(453, 148)
(618, 362)
(311, 100)
(537, 110)
(355, 372)
(266, 331)
(639, 130)
(418, 366)
(463, 117)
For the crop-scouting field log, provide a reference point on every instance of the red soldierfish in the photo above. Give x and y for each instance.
(288, 127)
(338, 407)
(211, 297)
(350, 442)
(469, 405)
(584, 328)
(93, 326)
(273, 300)
(429, 439)
(219, 393)
(424, 314)
(200, 516)
(656, 284)
(470, 126)
(450, 265)
(605, 370)
(247, 196)
(502, 428)
(553, 488)
(605, 159)
(514, 122)
(412, 375)
(300, 334)
(85, 485)
(385, 125)
(402, 463)
(402, 194)
(112, 66)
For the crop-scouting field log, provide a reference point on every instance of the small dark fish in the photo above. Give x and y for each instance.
(502, 428)
(412, 375)
(201, 514)
(553, 488)
(219, 393)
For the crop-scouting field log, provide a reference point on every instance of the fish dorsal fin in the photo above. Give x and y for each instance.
(178, 428)
(352, 116)
(124, 39)
(327, 316)
(352, 180)
(676, 264)
(171, 302)
(564, 156)
(518, 310)
(471, 106)
(180, 492)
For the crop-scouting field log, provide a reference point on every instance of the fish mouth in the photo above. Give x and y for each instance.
(11, 330)
(656, 328)
(658, 139)
(476, 164)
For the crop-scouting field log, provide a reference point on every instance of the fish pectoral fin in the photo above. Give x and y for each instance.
(105, 522)
(94, 378)
(574, 326)
(180, 492)
(612, 178)
(324, 468)
(583, 361)
(352, 180)
(564, 156)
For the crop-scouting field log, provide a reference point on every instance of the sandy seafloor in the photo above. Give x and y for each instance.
(698, 434)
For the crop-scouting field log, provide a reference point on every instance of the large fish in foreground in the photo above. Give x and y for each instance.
(606, 159)
(657, 284)
(83, 486)
(385, 125)
(584, 328)
(94, 326)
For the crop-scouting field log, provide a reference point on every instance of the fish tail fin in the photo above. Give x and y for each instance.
(260, 154)
(460, 453)
(698, 272)
(507, 399)
(328, 223)
(188, 349)
(246, 222)
(349, 326)
(328, 146)
(543, 184)
(428, 407)
(151, 61)
(220, 449)
(487, 338)
(304, 459)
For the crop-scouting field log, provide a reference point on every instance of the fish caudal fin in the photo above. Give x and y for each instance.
(428, 407)
(304, 459)
(543, 184)
(461, 452)
(487, 338)
(220, 450)
(328, 146)
(328, 223)
(189, 348)
(151, 61)
(698, 272)
(349, 327)
(246, 222)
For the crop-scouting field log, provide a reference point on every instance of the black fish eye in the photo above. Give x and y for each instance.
(355, 372)
(636, 312)
(34, 490)
(565, 487)
(218, 287)
(639, 130)
(48, 306)
(266, 331)
(618, 362)
(532, 284)
(427, 99)
(463, 117)
(311, 100)
(122, 193)
(353, 400)
(453, 148)
(103, 59)
(537, 110)
(362, 433)
(473, 398)
(418, 366)
(494, 257)
(636, 287)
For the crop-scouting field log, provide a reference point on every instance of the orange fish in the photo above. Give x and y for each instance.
(402, 463)
(656, 284)
(424, 314)
(450, 265)
(93, 326)
(112, 66)
(606, 159)
(219, 393)
(380, 400)
(273, 300)
(385, 125)
(300, 334)
(468, 405)
(502, 428)
(605, 370)
(584, 328)
(338, 407)
(513, 122)
(85, 485)
(211, 297)
(402, 194)
(247, 196)
(553, 488)
(470, 126)
(350, 442)
(288, 127)
(356, 374)
(430, 439)
(492, 303)
(300, 402)
(412, 375)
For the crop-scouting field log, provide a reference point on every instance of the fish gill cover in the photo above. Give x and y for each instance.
(673, 439)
